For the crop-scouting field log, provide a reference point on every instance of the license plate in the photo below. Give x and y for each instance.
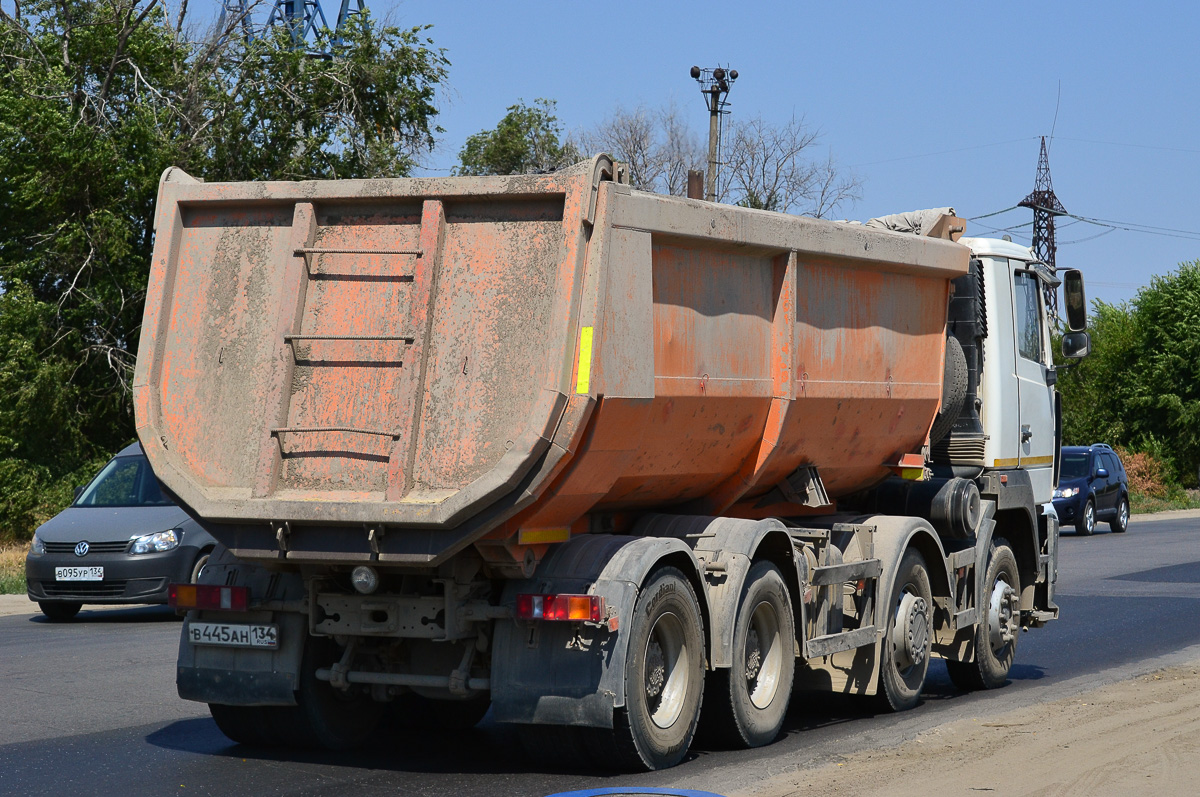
(79, 574)
(234, 636)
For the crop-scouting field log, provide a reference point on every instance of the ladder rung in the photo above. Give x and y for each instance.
(308, 250)
(405, 338)
(307, 429)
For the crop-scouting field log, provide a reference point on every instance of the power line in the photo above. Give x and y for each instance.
(947, 151)
(1126, 144)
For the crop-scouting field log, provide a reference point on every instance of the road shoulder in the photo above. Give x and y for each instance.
(1137, 736)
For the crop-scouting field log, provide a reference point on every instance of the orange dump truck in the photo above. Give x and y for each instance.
(584, 455)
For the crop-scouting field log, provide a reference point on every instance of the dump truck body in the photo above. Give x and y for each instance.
(557, 447)
(433, 357)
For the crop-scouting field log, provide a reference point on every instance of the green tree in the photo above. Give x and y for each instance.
(97, 98)
(526, 141)
(1140, 388)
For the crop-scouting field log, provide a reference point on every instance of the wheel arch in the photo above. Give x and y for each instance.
(726, 548)
(1019, 530)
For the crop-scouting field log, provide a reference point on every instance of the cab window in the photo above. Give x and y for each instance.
(1027, 307)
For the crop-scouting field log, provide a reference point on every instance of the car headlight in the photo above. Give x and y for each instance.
(38, 547)
(1069, 492)
(154, 543)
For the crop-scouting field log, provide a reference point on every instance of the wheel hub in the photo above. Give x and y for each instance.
(656, 670)
(753, 655)
(1003, 611)
(910, 635)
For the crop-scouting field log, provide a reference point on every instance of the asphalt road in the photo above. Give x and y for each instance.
(90, 707)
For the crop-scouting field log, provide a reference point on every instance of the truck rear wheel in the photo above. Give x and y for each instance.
(323, 717)
(243, 724)
(664, 677)
(995, 643)
(906, 646)
(747, 702)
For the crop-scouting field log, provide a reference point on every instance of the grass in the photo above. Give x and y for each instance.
(12, 568)
(1176, 499)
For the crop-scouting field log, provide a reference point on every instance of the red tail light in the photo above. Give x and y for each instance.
(560, 607)
(208, 596)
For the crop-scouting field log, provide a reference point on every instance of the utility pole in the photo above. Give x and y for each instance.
(714, 86)
(1046, 207)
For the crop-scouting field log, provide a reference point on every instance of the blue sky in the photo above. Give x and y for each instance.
(930, 104)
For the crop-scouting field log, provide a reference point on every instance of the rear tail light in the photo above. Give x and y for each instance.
(208, 596)
(561, 607)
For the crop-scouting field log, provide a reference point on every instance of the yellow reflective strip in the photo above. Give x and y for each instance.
(913, 474)
(536, 536)
(583, 381)
(1006, 463)
(1038, 460)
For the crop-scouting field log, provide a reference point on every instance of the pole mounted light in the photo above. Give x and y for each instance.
(714, 87)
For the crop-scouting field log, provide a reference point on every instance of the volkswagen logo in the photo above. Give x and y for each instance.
(81, 548)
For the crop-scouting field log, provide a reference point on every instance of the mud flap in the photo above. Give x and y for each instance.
(558, 673)
(244, 676)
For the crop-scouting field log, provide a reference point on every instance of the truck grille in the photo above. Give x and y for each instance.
(93, 547)
(84, 589)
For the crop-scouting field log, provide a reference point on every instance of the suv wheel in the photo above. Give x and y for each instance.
(1086, 522)
(1120, 523)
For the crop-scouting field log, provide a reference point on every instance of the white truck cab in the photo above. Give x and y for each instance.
(1017, 361)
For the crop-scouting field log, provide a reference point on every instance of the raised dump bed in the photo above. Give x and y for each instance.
(395, 369)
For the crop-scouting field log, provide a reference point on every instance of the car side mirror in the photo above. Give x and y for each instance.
(1075, 302)
(78, 492)
(1102, 473)
(1076, 345)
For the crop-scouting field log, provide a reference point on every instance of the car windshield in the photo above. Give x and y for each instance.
(125, 481)
(1074, 465)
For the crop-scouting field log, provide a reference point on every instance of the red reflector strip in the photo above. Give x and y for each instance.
(560, 607)
(208, 596)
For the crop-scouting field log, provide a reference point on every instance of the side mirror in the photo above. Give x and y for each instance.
(78, 492)
(1076, 304)
(1076, 345)
(1102, 473)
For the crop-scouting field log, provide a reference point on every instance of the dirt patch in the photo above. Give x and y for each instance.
(1140, 736)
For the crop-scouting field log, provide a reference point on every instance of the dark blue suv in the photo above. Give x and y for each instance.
(1092, 486)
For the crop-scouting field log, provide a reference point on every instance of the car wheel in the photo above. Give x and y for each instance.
(1120, 524)
(995, 644)
(198, 567)
(59, 612)
(1086, 522)
(905, 649)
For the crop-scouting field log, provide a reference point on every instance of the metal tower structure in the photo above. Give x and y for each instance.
(1046, 207)
(302, 19)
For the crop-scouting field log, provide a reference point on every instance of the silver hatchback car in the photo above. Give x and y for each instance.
(121, 541)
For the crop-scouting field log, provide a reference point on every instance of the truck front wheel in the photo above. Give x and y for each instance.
(909, 639)
(664, 676)
(747, 702)
(996, 633)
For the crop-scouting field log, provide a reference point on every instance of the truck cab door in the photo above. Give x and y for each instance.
(1034, 387)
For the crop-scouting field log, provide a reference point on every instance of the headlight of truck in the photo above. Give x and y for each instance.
(153, 543)
(1069, 492)
(38, 547)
